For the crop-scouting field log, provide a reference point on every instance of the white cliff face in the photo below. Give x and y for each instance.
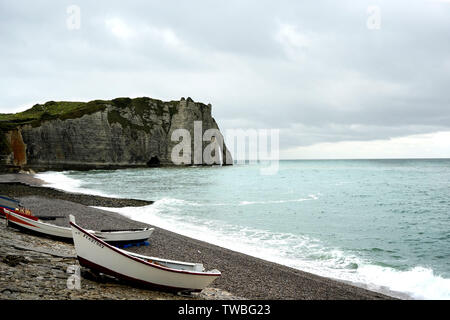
(129, 134)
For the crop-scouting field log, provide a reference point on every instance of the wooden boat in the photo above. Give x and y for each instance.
(112, 236)
(169, 275)
(9, 204)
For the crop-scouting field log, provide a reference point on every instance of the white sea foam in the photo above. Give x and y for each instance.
(296, 251)
(246, 203)
(418, 282)
(61, 181)
(310, 197)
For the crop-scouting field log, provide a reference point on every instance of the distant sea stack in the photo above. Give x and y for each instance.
(100, 134)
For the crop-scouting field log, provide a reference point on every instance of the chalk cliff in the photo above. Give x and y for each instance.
(100, 134)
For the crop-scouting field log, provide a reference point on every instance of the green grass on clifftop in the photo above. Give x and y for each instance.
(70, 110)
(50, 110)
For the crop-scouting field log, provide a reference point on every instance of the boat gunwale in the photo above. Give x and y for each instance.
(10, 199)
(14, 210)
(69, 229)
(124, 231)
(140, 256)
(36, 221)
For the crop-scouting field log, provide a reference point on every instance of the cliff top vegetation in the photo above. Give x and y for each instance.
(73, 109)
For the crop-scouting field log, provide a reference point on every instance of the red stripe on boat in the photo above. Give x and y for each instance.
(31, 217)
(19, 221)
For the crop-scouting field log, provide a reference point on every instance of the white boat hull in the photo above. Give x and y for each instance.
(65, 233)
(170, 275)
(38, 226)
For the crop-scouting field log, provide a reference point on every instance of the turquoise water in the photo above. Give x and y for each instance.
(383, 224)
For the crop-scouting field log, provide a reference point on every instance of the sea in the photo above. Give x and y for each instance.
(379, 224)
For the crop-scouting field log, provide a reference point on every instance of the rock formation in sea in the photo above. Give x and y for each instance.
(100, 134)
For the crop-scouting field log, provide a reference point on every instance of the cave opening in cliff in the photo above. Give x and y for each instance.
(153, 162)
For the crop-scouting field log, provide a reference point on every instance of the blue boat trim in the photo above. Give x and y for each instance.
(9, 199)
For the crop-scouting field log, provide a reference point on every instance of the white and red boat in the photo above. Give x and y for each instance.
(170, 275)
(37, 226)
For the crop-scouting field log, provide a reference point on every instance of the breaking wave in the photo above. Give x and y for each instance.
(300, 252)
(60, 181)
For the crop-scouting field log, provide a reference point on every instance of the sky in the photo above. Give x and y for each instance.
(338, 79)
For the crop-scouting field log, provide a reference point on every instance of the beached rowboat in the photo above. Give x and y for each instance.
(64, 233)
(168, 275)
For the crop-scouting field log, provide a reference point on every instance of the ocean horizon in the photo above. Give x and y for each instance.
(382, 224)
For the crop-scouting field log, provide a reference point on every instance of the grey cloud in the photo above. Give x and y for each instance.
(312, 69)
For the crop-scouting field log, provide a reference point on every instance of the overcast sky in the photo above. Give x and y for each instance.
(340, 79)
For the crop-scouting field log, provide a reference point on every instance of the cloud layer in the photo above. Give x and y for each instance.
(313, 69)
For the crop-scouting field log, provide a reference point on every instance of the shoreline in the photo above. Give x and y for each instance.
(242, 275)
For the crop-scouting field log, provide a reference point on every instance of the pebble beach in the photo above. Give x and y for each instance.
(34, 267)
